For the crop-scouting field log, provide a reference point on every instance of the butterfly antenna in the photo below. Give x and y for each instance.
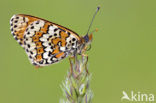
(98, 8)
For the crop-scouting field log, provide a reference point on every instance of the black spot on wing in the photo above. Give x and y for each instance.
(49, 53)
(30, 57)
(31, 52)
(12, 29)
(37, 22)
(55, 34)
(15, 21)
(17, 17)
(55, 29)
(15, 26)
(28, 45)
(32, 27)
(41, 62)
(68, 33)
(73, 39)
(24, 19)
(35, 64)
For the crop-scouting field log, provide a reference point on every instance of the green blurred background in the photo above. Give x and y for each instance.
(123, 54)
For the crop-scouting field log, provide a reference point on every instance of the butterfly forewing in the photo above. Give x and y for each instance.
(44, 42)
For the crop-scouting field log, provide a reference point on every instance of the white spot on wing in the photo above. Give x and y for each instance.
(45, 44)
(62, 48)
(45, 55)
(46, 36)
(48, 49)
(43, 39)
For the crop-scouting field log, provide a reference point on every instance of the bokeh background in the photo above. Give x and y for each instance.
(123, 54)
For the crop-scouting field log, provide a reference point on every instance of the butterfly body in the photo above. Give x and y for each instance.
(45, 42)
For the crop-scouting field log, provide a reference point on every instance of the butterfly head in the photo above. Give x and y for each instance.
(88, 38)
(85, 43)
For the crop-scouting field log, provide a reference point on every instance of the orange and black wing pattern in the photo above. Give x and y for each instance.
(45, 42)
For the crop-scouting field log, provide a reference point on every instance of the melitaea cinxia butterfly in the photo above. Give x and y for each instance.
(46, 42)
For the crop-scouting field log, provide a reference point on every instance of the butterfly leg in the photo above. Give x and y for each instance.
(86, 56)
(71, 65)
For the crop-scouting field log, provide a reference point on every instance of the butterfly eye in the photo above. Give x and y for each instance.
(86, 38)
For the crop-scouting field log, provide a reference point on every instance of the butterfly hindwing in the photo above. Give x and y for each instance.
(44, 42)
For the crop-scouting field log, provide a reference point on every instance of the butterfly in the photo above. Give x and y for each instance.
(46, 42)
